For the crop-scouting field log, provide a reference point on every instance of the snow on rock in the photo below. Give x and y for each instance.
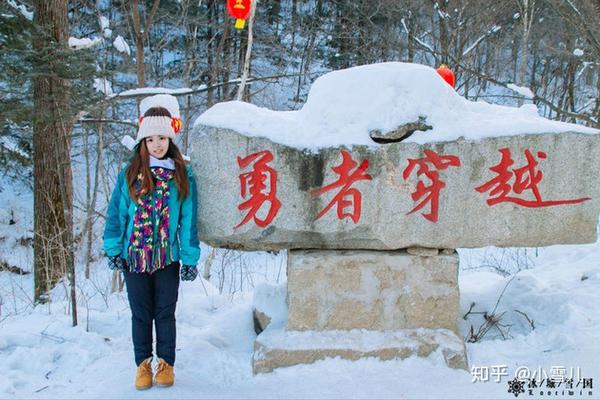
(121, 45)
(85, 43)
(364, 340)
(522, 90)
(270, 300)
(344, 106)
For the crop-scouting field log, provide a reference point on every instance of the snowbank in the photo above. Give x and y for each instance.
(344, 106)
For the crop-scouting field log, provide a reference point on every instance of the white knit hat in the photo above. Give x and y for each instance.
(150, 126)
(159, 125)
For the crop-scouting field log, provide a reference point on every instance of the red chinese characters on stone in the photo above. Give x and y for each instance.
(254, 184)
(525, 178)
(431, 193)
(346, 196)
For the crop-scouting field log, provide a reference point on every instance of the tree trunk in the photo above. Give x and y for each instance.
(141, 34)
(139, 44)
(444, 34)
(210, 51)
(247, 58)
(527, 8)
(53, 188)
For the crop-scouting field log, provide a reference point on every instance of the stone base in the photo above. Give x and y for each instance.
(278, 347)
(373, 290)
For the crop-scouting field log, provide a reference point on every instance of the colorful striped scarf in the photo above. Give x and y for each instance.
(149, 241)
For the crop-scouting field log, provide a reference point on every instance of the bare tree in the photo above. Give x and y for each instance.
(141, 35)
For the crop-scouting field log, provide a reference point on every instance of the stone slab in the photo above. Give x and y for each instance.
(275, 348)
(464, 217)
(371, 289)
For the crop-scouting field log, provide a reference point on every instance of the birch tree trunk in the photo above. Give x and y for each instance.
(526, 8)
(246, 69)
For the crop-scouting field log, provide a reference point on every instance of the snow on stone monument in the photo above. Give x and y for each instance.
(371, 186)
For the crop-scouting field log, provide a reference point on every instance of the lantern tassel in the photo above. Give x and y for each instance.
(240, 23)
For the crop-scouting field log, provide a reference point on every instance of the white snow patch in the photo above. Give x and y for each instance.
(102, 85)
(121, 45)
(22, 9)
(344, 106)
(85, 43)
(522, 90)
(104, 26)
(154, 90)
(270, 299)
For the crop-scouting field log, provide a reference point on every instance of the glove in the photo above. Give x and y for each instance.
(188, 272)
(116, 263)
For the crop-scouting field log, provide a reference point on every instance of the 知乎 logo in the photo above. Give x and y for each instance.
(516, 387)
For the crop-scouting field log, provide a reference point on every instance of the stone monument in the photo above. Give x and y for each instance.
(371, 231)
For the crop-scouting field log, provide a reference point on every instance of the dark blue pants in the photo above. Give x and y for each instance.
(152, 297)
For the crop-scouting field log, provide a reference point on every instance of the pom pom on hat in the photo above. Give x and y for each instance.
(176, 124)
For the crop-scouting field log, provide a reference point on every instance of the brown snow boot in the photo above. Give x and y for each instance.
(164, 374)
(143, 375)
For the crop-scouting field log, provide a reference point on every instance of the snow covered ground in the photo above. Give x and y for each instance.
(44, 357)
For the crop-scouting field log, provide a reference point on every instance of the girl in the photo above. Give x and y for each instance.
(150, 228)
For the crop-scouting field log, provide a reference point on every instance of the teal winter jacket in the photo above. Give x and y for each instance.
(183, 233)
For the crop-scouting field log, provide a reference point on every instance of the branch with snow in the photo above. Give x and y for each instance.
(494, 29)
(142, 92)
(85, 43)
(419, 41)
(121, 45)
(104, 26)
(522, 90)
(102, 85)
(149, 91)
(536, 98)
(21, 9)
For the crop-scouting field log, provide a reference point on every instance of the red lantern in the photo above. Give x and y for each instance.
(446, 74)
(240, 10)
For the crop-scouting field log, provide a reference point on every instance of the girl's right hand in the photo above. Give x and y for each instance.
(116, 263)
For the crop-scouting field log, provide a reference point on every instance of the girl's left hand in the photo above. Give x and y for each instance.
(188, 272)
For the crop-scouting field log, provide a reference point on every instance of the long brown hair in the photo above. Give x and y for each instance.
(140, 164)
